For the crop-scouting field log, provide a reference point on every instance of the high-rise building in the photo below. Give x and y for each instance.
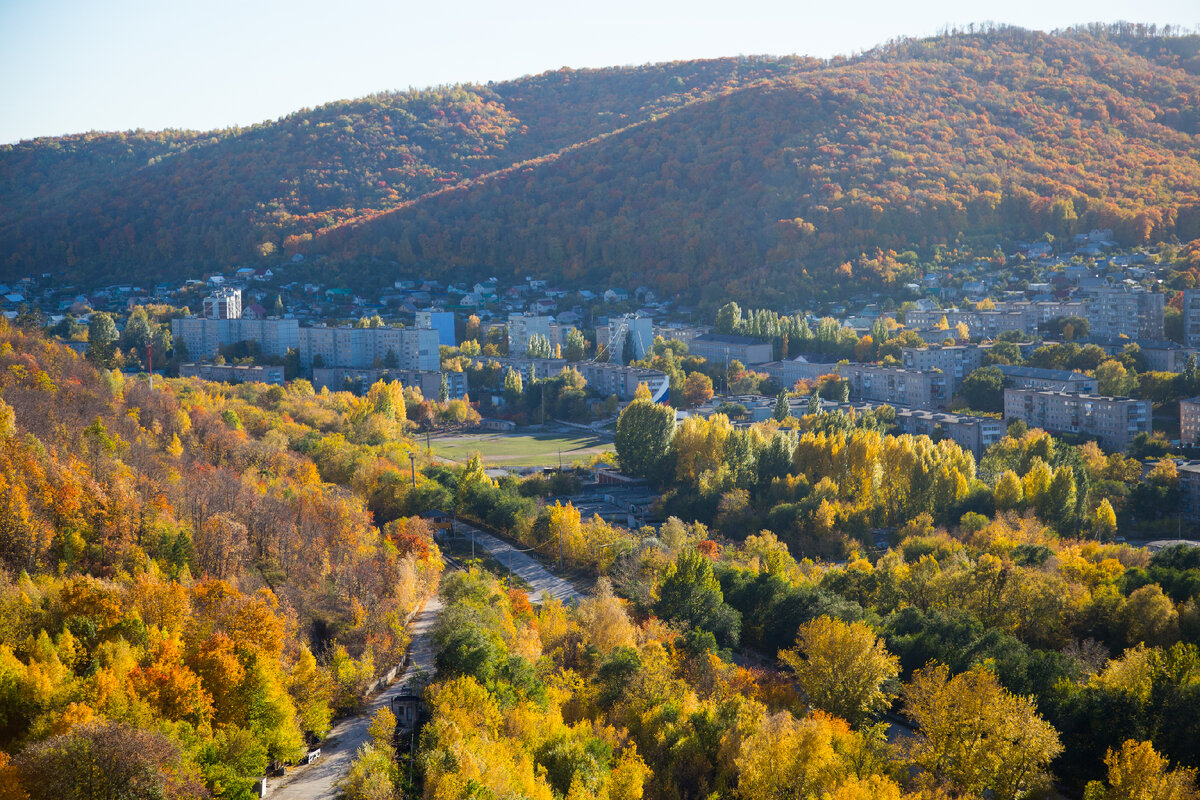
(440, 321)
(223, 304)
(523, 326)
(1133, 313)
(1114, 421)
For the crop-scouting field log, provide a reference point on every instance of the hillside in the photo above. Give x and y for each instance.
(776, 186)
(144, 206)
(699, 177)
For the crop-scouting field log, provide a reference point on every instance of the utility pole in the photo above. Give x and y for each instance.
(150, 365)
(412, 462)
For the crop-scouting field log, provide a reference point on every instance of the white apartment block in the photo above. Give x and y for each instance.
(523, 326)
(223, 304)
(1114, 421)
(1191, 317)
(1134, 313)
(613, 336)
(205, 337)
(362, 348)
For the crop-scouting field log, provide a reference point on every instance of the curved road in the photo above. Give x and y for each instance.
(319, 781)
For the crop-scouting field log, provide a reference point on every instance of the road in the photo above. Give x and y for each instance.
(319, 781)
(525, 567)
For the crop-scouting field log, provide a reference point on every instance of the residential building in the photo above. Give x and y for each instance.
(971, 432)
(440, 321)
(1055, 380)
(204, 337)
(1189, 422)
(223, 304)
(1114, 421)
(361, 348)
(801, 368)
(956, 361)
(723, 349)
(633, 329)
(231, 373)
(521, 327)
(1118, 311)
(428, 381)
(1160, 356)
(927, 389)
(1189, 486)
(623, 381)
(1191, 317)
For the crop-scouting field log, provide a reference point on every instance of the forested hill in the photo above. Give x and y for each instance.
(717, 176)
(141, 205)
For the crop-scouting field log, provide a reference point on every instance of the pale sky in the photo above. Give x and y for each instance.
(69, 66)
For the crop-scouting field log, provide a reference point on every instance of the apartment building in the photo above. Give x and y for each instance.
(721, 348)
(956, 362)
(970, 432)
(440, 321)
(521, 327)
(230, 373)
(927, 389)
(626, 329)
(1189, 489)
(346, 346)
(1119, 311)
(1189, 422)
(801, 368)
(604, 379)
(429, 382)
(1114, 421)
(1191, 317)
(223, 304)
(1054, 380)
(204, 337)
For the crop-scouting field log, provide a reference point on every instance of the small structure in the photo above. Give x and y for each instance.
(408, 708)
(439, 520)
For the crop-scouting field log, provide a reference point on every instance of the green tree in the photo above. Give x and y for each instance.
(643, 438)
(814, 403)
(782, 409)
(576, 345)
(729, 318)
(690, 593)
(102, 340)
(514, 386)
(983, 389)
(444, 389)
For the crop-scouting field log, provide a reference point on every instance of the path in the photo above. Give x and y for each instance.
(525, 567)
(318, 781)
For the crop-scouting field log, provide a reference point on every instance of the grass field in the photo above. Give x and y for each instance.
(522, 449)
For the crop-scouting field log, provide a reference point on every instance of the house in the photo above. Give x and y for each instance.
(616, 296)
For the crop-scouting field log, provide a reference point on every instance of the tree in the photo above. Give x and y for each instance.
(973, 736)
(514, 386)
(1114, 380)
(576, 345)
(1137, 772)
(444, 389)
(105, 760)
(643, 438)
(697, 389)
(782, 409)
(102, 340)
(1104, 521)
(690, 593)
(1009, 491)
(729, 318)
(814, 403)
(983, 389)
(844, 669)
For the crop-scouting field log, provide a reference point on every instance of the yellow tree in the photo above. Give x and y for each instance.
(974, 736)
(1137, 772)
(844, 669)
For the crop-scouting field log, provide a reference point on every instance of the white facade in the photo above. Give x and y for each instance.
(362, 348)
(223, 304)
(205, 337)
(523, 326)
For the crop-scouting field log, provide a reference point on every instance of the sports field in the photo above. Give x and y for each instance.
(522, 449)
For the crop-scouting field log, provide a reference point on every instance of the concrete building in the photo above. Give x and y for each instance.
(801, 368)
(361, 348)
(1189, 422)
(1191, 317)
(723, 349)
(971, 432)
(223, 304)
(523, 326)
(430, 383)
(204, 338)
(1113, 312)
(623, 381)
(230, 373)
(626, 329)
(1161, 356)
(897, 386)
(1114, 421)
(440, 321)
(1054, 380)
(956, 362)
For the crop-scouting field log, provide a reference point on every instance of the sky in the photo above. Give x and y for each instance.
(71, 66)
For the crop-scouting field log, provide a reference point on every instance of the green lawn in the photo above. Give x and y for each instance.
(522, 449)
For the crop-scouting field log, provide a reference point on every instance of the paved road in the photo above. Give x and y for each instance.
(526, 567)
(318, 781)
